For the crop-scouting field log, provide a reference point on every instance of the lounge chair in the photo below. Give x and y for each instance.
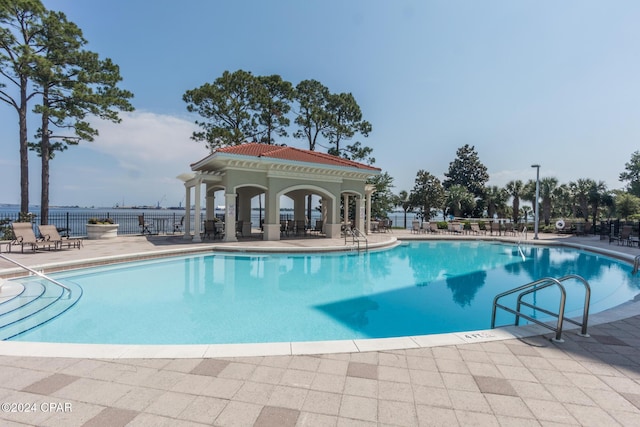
(24, 236)
(454, 227)
(144, 225)
(415, 227)
(475, 228)
(508, 228)
(495, 227)
(433, 227)
(50, 233)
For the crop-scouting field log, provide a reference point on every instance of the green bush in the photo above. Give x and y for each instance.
(443, 225)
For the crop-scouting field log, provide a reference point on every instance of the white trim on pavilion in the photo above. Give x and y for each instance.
(247, 170)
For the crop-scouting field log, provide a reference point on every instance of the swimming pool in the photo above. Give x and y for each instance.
(414, 289)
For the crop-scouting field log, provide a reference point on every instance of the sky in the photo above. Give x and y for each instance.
(546, 82)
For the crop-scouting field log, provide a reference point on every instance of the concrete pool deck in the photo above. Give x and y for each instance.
(500, 377)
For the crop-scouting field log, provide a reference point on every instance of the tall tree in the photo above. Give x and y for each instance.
(632, 174)
(404, 201)
(228, 106)
(515, 189)
(626, 204)
(547, 188)
(382, 200)
(459, 200)
(580, 193)
(598, 196)
(427, 194)
(495, 200)
(75, 86)
(345, 120)
(273, 103)
(312, 117)
(20, 28)
(467, 170)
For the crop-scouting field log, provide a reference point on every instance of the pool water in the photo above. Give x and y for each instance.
(414, 289)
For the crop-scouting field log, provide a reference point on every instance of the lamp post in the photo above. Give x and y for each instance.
(537, 206)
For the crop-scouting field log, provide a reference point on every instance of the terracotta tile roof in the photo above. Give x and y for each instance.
(293, 154)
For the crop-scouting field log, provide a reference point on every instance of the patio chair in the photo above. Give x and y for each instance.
(24, 236)
(219, 229)
(624, 238)
(475, 228)
(433, 227)
(284, 228)
(300, 227)
(209, 229)
(318, 227)
(239, 228)
(144, 225)
(177, 226)
(50, 233)
(415, 227)
(508, 228)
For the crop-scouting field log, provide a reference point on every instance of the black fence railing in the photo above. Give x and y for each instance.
(74, 223)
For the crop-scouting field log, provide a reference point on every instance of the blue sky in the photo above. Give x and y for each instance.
(548, 82)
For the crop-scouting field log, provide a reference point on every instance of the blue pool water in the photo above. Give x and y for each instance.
(414, 289)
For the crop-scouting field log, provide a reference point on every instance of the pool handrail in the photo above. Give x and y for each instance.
(536, 285)
(541, 284)
(356, 236)
(37, 273)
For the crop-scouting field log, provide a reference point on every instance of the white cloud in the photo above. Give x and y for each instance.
(144, 138)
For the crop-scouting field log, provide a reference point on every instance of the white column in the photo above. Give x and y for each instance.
(196, 216)
(230, 217)
(345, 201)
(187, 213)
(210, 205)
(359, 213)
(367, 224)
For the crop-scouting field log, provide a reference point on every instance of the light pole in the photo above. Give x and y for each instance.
(537, 206)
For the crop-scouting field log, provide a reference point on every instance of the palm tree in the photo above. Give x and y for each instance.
(515, 189)
(580, 193)
(402, 199)
(459, 199)
(547, 187)
(597, 196)
(496, 200)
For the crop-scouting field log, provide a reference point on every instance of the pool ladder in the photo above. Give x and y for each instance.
(356, 237)
(535, 286)
(636, 264)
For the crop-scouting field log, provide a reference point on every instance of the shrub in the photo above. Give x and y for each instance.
(102, 221)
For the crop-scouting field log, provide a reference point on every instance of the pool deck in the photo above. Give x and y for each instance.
(505, 377)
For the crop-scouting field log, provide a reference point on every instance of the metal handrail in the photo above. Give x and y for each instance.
(37, 273)
(356, 236)
(636, 264)
(538, 284)
(541, 284)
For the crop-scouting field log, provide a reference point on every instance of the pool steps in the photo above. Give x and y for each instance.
(39, 302)
(33, 302)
